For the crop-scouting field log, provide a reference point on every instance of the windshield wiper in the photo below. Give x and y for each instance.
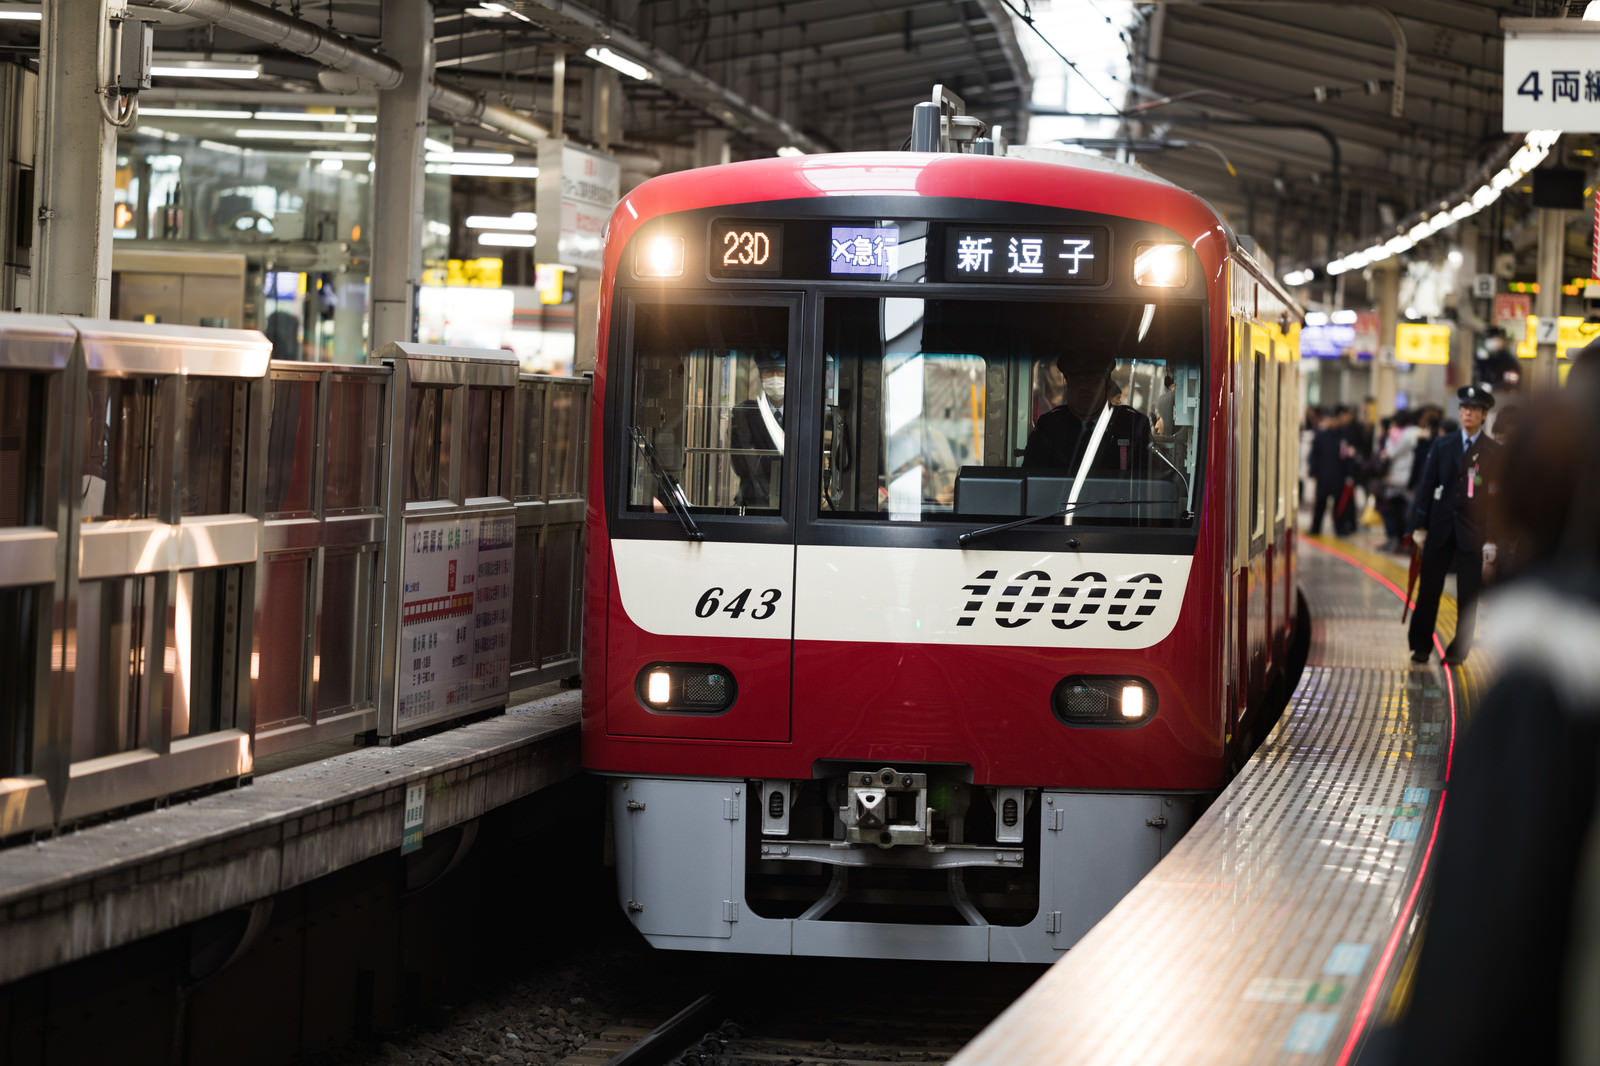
(1060, 512)
(1182, 478)
(671, 492)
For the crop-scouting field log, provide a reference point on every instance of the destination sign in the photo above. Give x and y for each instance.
(1026, 256)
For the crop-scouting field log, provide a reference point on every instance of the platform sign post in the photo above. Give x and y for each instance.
(411, 830)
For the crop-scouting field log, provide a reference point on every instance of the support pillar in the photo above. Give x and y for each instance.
(397, 173)
(1547, 302)
(1381, 387)
(76, 164)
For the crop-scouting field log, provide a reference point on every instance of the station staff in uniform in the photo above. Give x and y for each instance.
(1449, 524)
(1062, 435)
(756, 430)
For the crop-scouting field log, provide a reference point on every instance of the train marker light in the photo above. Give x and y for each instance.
(660, 257)
(1161, 266)
(1117, 702)
(659, 691)
(685, 688)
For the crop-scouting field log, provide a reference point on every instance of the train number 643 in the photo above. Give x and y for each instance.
(711, 602)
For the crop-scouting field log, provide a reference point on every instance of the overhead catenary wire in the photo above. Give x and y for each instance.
(1027, 17)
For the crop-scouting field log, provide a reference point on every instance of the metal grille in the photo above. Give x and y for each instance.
(705, 690)
(1084, 701)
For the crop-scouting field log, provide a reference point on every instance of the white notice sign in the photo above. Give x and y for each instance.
(1552, 76)
(577, 189)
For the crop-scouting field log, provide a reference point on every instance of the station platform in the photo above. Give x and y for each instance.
(1278, 930)
(90, 890)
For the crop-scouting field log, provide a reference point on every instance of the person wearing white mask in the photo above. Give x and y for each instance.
(756, 430)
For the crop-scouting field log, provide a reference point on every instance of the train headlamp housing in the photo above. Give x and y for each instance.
(659, 256)
(686, 688)
(1161, 265)
(1107, 701)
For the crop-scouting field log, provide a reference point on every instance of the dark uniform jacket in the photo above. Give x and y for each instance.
(748, 431)
(1059, 437)
(1444, 504)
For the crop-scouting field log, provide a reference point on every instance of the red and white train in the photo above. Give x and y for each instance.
(869, 672)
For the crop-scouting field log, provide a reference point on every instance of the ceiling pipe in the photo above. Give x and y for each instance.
(675, 75)
(335, 53)
(290, 34)
(1397, 90)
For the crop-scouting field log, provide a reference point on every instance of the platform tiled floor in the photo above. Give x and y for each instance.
(1275, 931)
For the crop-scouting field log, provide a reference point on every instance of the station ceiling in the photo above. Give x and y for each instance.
(1308, 123)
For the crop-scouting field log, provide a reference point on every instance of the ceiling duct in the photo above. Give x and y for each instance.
(335, 53)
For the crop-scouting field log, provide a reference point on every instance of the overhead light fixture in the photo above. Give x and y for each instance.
(194, 112)
(482, 170)
(1344, 317)
(1316, 318)
(354, 157)
(522, 220)
(302, 135)
(180, 65)
(621, 64)
(491, 158)
(20, 13)
(508, 240)
(306, 116)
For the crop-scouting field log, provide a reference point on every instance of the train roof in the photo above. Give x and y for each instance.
(1067, 180)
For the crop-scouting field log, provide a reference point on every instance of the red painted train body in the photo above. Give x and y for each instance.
(870, 669)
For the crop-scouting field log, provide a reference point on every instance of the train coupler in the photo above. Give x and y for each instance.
(886, 808)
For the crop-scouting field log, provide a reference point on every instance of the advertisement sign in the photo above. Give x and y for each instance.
(578, 187)
(1571, 334)
(1329, 341)
(1511, 309)
(1368, 327)
(1416, 342)
(455, 614)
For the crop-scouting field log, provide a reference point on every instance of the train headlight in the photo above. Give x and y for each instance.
(1104, 701)
(1161, 266)
(686, 688)
(660, 256)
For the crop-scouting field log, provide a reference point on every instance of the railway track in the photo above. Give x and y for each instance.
(792, 1012)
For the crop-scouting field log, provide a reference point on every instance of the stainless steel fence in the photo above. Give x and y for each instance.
(130, 455)
(324, 554)
(37, 367)
(445, 648)
(552, 461)
(205, 557)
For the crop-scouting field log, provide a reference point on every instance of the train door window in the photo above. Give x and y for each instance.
(709, 397)
(1260, 346)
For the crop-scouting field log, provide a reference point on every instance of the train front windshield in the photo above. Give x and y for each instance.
(923, 410)
(955, 409)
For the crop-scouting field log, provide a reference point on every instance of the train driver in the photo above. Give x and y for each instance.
(756, 433)
(1061, 435)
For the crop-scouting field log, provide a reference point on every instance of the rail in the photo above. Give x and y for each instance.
(206, 557)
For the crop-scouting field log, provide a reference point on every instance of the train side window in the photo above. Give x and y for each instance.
(709, 392)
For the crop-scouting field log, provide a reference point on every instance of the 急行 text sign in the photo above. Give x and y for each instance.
(1552, 75)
